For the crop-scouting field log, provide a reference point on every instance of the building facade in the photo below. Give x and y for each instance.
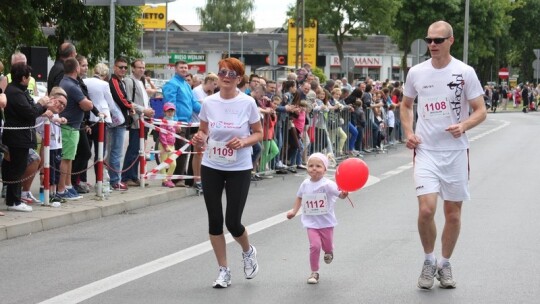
(376, 56)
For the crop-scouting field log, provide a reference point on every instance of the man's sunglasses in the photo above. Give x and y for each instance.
(227, 73)
(436, 40)
(122, 67)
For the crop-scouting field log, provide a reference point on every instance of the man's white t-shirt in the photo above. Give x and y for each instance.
(443, 100)
(228, 118)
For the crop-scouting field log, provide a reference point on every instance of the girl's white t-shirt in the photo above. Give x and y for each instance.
(328, 187)
(228, 118)
(443, 100)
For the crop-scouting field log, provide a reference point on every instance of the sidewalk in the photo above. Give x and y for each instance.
(15, 224)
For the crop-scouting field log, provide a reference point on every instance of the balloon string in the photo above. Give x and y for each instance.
(350, 201)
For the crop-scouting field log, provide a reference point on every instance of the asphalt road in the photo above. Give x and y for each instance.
(161, 254)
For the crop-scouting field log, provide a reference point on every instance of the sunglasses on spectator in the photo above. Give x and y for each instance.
(227, 73)
(436, 40)
(122, 67)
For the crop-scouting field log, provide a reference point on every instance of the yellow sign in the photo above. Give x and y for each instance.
(153, 17)
(310, 43)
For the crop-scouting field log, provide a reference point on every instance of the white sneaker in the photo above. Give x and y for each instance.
(251, 267)
(224, 278)
(22, 207)
(30, 199)
(313, 278)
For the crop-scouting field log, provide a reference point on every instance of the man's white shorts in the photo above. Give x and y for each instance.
(443, 172)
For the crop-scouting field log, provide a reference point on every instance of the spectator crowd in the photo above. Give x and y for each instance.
(300, 116)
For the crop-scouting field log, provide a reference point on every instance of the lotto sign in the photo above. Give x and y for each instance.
(310, 43)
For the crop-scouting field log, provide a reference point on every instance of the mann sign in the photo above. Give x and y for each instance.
(359, 61)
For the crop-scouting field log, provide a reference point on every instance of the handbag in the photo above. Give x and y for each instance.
(116, 115)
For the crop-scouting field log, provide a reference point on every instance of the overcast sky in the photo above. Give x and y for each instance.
(267, 13)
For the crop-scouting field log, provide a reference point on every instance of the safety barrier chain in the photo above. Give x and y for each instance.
(22, 179)
(74, 173)
(121, 171)
(22, 128)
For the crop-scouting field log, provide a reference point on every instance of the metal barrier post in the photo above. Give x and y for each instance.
(142, 157)
(46, 161)
(99, 164)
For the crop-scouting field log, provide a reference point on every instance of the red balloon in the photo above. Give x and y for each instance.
(352, 174)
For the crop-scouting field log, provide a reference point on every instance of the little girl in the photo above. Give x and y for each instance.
(317, 195)
(166, 143)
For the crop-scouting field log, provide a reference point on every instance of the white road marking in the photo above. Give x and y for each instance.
(93, 289)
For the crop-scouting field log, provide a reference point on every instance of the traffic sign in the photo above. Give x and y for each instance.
(536, 64)
(503, 73)
(418, 49)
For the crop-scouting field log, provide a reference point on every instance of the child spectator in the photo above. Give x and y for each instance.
(317, 195)
(55, 143)
(166, 143)
(391, 118)
(270, 148)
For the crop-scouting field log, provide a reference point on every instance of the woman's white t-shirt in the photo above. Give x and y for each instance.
(228, 118)
(443, 100)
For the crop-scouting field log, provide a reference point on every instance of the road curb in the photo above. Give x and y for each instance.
(42, 218)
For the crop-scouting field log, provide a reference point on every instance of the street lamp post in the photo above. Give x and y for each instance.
(242, 34)
(229, 50)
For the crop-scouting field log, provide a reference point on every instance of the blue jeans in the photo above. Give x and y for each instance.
(353, 135)
(132, 155)
(115, 138)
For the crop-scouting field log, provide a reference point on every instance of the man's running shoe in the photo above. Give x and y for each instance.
(444, 275)
(224, 278)
(425, 281)
(251, 267)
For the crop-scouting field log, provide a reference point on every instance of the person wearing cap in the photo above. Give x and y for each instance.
(166, 143)
(317, 196)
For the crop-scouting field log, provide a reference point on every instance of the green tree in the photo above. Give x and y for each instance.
(86, 26)
(524, 37)
(217, 14)
(19, 24)
(344, 19)
(413, 19)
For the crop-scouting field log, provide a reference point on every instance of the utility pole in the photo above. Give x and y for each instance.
(300, 20)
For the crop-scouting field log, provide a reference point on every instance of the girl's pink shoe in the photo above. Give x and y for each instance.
(168, 184)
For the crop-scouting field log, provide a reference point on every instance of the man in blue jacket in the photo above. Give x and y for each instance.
(178, 91)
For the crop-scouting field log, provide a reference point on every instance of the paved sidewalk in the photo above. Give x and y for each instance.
(15, 224)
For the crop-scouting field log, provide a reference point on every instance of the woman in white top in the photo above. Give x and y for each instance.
(229, 126)
(100, 94)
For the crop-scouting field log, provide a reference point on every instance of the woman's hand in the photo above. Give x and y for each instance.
(236, 143)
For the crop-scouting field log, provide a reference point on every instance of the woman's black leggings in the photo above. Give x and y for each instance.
(236, 184)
